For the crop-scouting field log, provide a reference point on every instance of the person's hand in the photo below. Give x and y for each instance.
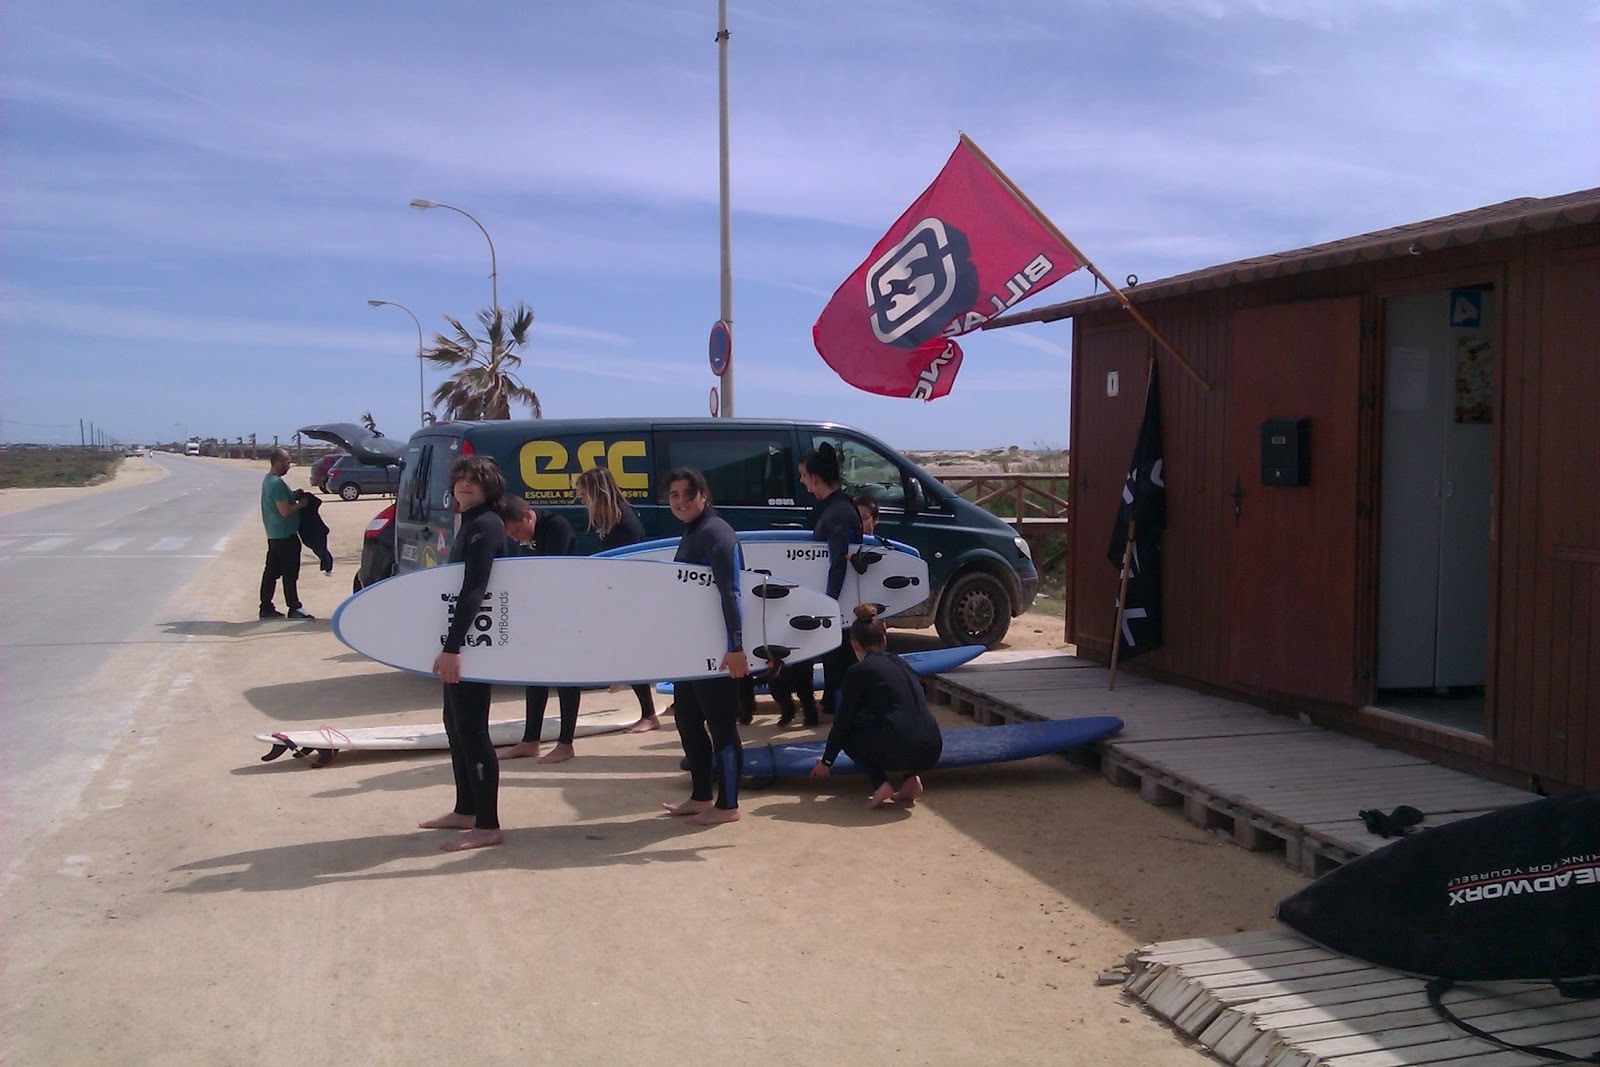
(820, 769)
(735, 664)
(447, 665)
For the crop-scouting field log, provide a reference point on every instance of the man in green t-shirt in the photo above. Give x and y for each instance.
(280, 514)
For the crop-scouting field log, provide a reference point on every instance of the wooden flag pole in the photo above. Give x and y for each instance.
(1122, 599)
(1044, 221)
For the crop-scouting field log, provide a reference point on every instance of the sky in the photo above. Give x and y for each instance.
(198, 200)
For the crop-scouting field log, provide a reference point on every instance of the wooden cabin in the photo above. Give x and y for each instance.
(1434, 583)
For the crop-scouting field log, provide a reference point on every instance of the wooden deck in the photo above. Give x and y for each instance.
(1269, 998)
(1265, 780)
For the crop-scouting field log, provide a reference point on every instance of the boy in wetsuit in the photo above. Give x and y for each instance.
(477, 485)
(707, 709)
(548, 534)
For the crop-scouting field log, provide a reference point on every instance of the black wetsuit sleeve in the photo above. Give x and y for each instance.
(628, 530)
(722, 553)
(553, 536)
(476, 545)
(852, 700)
(838, 525)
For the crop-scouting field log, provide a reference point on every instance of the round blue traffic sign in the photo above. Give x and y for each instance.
(721, 347)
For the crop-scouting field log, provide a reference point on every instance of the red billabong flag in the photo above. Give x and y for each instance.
(965, 251)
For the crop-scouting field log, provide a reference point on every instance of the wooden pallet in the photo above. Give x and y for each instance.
(1269, 998)
(1263, 780)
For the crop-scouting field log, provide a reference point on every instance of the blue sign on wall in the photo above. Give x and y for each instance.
(1466, 307)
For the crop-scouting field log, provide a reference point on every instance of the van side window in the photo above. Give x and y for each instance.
(413, 480)
(743, 468)
(863, 469)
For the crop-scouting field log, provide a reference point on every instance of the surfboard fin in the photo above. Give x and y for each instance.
(281, 745)
(900, 581)
(810, 622)
(774, 654)
(771, 591)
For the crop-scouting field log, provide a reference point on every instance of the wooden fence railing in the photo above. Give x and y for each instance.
(1032, 503)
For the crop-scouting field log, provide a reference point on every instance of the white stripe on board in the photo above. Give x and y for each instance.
(49, 544)
(110, 544)
(168, 544)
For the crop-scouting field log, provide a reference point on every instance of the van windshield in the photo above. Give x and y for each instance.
(864, 469)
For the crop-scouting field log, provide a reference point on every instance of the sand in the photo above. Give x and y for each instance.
(207, 908)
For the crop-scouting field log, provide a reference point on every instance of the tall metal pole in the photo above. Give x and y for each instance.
(726, 404)
(422, 402)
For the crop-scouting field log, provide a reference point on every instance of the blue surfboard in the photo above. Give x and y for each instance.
(924, 661)
(964, 746)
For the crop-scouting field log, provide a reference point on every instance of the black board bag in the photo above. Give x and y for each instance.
(1510, 895)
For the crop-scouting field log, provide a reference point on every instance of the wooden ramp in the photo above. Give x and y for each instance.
(1264, 780)
(1270, 998)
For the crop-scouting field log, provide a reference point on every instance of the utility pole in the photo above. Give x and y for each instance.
(726, 404)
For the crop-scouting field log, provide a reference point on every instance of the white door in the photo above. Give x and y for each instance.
(1433, 565)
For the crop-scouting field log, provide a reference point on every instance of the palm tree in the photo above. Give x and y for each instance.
(482, 384)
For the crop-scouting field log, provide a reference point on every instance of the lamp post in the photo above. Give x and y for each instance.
(422, 403)
(494, 284)
(722, 182)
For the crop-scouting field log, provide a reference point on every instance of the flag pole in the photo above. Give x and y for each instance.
(1122, 599)
(1044, 220)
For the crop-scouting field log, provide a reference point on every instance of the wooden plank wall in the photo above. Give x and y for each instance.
(1543, 693)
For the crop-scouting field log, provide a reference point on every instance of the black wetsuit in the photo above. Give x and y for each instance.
(466, 704)
(838, 523)
(630, 531)
(552, 536)
(883, 723)
(706, 709)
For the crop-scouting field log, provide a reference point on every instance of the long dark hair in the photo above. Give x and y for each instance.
(868, 630)
(484, 471)
(822, 462)
(696, 480)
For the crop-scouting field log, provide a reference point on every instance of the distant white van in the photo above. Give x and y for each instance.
(192, 448)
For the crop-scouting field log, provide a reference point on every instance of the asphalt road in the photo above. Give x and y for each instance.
(87, 580)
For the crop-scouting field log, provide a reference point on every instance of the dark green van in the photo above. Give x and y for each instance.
(980, 571)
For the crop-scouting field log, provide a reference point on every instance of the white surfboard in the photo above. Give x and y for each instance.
(427, 737)
(893, 577)
(582, 620)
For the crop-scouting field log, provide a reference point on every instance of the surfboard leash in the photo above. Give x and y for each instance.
(1437, 988)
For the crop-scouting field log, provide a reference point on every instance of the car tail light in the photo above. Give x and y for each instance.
(379, 521)
(466, 447)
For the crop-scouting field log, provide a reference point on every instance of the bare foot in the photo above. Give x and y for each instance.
(713, 816)
(472, 839)
(644, 725)
(910, 790)
(881, 795)
(453, 821)
(520, 750)
(688, 807)
(560, 754)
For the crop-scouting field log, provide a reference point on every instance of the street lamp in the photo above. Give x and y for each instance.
(422, 404)
(494, 284)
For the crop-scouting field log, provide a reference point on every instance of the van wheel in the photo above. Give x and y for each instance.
(975, 610)
(349, 491)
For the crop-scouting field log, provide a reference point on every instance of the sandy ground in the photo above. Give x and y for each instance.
(207, 908)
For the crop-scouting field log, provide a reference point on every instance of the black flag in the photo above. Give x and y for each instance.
(1144, 503)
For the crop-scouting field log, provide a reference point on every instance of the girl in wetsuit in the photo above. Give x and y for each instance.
(707, 709)
(477, 485)
(616, 523)
(529, 533)
(883, 723)
(835, 521)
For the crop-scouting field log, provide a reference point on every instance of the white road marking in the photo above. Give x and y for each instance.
(6, 542)
(216, 548)
(110, 544)
(49, 544)
(168, 544)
